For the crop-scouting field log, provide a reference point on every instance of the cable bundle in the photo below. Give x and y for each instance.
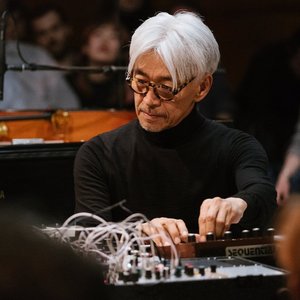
(121, 247)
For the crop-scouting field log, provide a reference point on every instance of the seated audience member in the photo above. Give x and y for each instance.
(35, 267)
(288, 247)
(49, 29)
(102, 47)
(33, 89)
(182, 170)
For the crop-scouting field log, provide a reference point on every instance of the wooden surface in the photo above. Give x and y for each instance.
(66, 126)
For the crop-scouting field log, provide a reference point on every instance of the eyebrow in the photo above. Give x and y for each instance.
(160, 78)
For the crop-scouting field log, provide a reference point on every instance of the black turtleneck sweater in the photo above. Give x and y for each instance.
(170, 173)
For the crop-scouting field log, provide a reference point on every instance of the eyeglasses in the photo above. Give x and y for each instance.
(161, 91)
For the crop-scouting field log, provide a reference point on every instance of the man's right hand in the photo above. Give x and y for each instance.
(165, 229)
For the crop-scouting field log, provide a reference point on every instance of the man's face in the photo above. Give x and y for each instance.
(51, 33)
(153, 113)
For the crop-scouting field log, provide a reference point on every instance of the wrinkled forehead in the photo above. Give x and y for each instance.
(151, 66)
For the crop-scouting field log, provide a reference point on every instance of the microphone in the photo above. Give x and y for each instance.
(2, 52)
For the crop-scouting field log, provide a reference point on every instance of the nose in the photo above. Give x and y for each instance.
(151, 99)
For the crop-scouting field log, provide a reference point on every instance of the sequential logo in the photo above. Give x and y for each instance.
(250, 251)
(2, 195)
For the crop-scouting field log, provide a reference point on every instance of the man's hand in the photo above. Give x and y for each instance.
(217, 214)
(164, 229)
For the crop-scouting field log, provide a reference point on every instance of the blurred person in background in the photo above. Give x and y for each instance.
(49, 28)
(33, 266)
(28, 89)
(288, 246)
(102, 46)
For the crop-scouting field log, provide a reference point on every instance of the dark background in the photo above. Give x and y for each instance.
(242, 27)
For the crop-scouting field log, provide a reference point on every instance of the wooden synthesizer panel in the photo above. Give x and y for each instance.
(251, 245)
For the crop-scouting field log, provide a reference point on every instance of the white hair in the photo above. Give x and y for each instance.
(185, 44)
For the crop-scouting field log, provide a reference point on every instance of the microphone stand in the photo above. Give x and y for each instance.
(2, 51)
(36, 67)
(42, 116)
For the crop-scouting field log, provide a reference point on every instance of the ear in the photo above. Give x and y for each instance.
(204, 87)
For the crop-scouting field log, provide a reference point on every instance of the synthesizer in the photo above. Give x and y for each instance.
(202, 278)
(251, 244)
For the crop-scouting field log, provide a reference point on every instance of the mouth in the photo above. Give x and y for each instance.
(151, 115)
(103, 49)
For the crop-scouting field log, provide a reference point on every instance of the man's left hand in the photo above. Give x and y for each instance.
(217, 214)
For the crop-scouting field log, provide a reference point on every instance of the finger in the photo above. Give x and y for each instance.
(228, 222)
(202, 218)
(198, 238)
(183, 231)
(202, 238)
(161, 227)
(173, 231)
(221, 221)
(153, 232)
(212, 212)
(176, 229)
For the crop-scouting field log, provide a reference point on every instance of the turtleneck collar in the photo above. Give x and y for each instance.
(178, 134)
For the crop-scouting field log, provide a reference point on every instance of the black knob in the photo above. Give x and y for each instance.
(245, 234)
(166, 272)
(126, 276)
(191, 238)
(201, 270)
(189, 270)
(256, 232)
(134, 276)
(210, 236)
(157, 274)
(227, 235)
(270, 232)
(148, 273)
(121, 276)
(213, 268)
(178, 271)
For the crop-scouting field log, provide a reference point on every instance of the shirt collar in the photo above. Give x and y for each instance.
(179, 134)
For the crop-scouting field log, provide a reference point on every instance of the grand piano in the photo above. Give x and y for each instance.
(37, 151)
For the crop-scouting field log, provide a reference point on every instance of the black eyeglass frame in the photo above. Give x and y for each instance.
(154, 85)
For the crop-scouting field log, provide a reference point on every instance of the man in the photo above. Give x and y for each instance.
(183, 171)
(51, 31)
(33, 90)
